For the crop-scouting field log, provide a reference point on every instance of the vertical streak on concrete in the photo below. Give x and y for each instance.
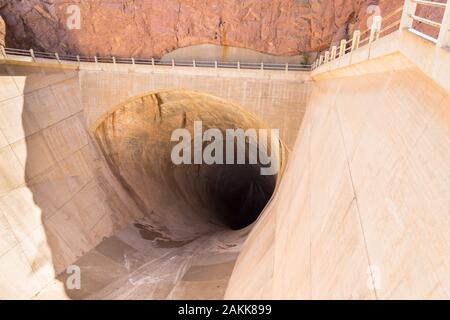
(355, 199)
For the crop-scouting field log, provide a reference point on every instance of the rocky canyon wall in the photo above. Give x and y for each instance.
(154, 27)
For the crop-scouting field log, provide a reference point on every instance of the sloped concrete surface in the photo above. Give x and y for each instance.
(363, 210)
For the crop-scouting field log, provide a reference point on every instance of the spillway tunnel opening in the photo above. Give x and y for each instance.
(186, 200)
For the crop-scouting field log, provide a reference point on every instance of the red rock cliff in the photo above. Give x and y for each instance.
(154, 27)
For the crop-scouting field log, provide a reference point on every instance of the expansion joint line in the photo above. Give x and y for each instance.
(355, 196)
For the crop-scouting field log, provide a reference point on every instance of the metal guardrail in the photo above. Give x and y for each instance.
(35, 55)
(372, 34)
(359, 39)
(409, 17)
(430, 3)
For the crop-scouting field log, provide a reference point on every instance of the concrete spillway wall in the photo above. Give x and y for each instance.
(277, 98)
(363, 211)
(58, 197)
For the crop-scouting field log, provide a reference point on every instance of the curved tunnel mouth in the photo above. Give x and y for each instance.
(184, 200)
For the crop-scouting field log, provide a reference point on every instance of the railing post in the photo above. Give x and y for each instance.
(153, 62)
(342, 48)
(133, 62)
(409, 8)
(173, 63)
(333, 53)
(320, 60)
(194, 64)
(262, 66)
(95, 59)
(444, 34)
(327, 56)
(32, 55)
(356, 39)
(57, 57)
(379, 24)
(239, 65)
(114, 60)
(286, 67)
(78, 59)
(215, 64)
(375, 29)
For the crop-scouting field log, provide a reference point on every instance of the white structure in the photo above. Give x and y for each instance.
(406, 23)
(362, 211)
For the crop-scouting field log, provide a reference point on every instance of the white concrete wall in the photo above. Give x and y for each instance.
(58, 198)
(276, 97)
(363, 210)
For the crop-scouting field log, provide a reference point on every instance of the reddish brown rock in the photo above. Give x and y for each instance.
(155, 27)
(432, 13)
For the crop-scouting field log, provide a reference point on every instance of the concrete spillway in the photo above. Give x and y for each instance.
(360, 210)
(99, 190)
(363, 209)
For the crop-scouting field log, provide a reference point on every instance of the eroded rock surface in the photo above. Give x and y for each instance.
(155, 27)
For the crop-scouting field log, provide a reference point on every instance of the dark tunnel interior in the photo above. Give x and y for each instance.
(239, 193)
